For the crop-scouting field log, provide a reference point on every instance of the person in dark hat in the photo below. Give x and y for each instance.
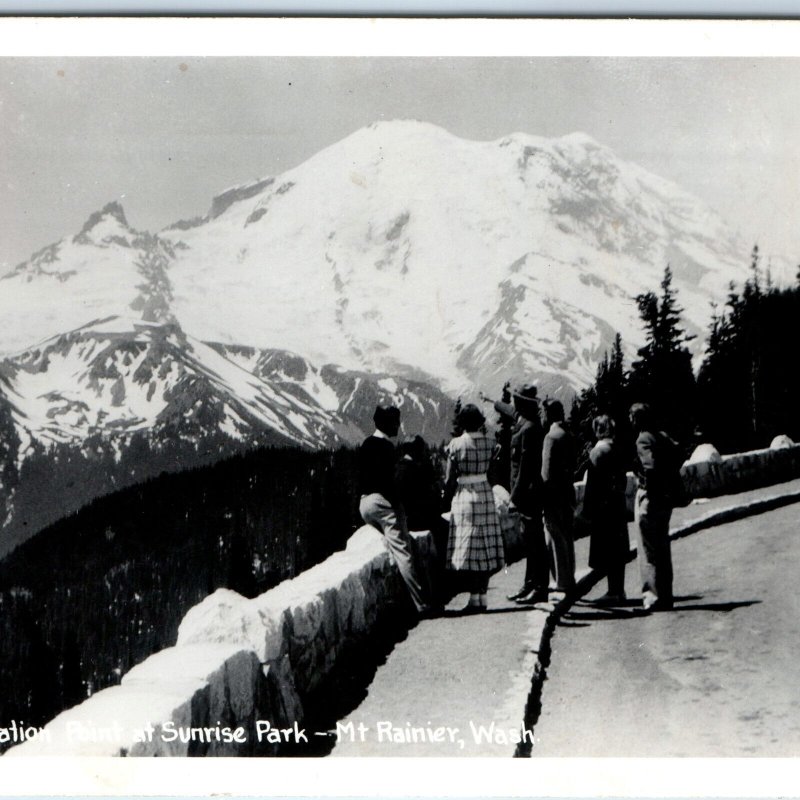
(526, 494)
(379, 504)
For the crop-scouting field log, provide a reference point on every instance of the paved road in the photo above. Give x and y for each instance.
(450, 672)
(718, 676)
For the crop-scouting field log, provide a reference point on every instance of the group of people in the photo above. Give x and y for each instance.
(396, 496)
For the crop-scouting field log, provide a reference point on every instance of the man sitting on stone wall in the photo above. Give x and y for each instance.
(380, 508)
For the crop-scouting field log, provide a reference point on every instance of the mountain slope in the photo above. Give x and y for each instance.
(104, 406)
(106, 379)
(404, 247)
(401, 264)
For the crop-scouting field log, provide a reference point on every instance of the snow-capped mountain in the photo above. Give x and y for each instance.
(402, 264)
(106, 378)
(409, 250)
(117, 402)
(109, 379)
(403, 255)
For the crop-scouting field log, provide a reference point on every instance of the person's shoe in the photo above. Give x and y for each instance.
(609, 599)
(532, 597)
(649, 599)
(661, 605)
(429, 612)
(525, 589)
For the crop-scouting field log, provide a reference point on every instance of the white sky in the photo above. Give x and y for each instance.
(164, 135)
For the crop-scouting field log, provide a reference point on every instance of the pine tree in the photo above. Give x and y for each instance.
(755, 270)
(745, 398)
(607, 395)
(9, 447)
(663, 376)
(455, 427)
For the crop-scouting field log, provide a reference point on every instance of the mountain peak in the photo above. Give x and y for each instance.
(113, 209)
(582, 139)
(405, 123)
(106, 225)
(402, 130)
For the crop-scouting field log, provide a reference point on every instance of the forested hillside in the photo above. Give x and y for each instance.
(97, 592)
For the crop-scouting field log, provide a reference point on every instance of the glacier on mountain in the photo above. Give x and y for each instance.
(401, 252)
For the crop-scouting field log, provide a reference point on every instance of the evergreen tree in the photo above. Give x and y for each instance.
(720, 381)
(9, 448)
(240, 565)
(72, 688)
(746, 397)
(755, 270)
(663, 376)
(608, 395)
(455, 428)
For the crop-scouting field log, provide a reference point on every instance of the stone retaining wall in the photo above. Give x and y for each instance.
(742, 471)
(730, 474)
(240, 662)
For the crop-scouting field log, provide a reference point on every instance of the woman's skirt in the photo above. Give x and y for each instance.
(476, 540)
(608, 542)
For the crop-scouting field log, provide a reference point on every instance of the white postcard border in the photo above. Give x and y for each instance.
(73, 37)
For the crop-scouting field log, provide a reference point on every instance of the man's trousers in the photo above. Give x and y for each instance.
(652, 542)
(377, 511)
(537, 569)
(558, 524)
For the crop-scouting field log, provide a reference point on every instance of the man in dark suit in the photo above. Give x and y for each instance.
(419, 492)
(379, 504)
(526, 494)
(558, 475)
(653, 510)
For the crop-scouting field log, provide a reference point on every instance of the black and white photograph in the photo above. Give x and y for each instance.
(399, 406)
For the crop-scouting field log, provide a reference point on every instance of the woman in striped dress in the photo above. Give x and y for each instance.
(475, 544)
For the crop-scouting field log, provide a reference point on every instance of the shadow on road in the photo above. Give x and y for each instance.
(731, 606)
(565, 623)
(632, 609)
(348, 683)
(459, 612)
(602, 614)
